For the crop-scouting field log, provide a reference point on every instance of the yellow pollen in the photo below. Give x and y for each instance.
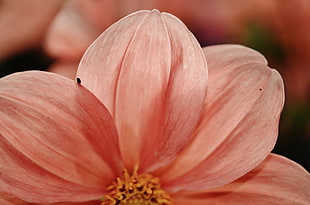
(136, 189)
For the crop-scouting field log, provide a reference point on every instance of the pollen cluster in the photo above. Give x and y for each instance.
(136, 189)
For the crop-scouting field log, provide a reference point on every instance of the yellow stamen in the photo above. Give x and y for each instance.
(136, 189)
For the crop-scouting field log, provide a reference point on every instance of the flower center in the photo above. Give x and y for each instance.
(136, 189)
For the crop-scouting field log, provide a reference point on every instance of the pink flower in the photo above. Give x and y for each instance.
(140, 125)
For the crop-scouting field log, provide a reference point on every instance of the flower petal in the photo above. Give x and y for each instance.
(277, 180)
(7, 199)
(57, 141)
(239, 125)
(64, 68)
(82, 203)
(150, 72)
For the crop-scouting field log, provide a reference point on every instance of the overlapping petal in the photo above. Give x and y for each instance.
(7, 199)
(57, 141)
(239, 124)
(64, 68)
(277, 180)
(151, 74)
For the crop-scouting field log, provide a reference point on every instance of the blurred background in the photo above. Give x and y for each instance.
(53, 34)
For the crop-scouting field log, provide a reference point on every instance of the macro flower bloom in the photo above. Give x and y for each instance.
(148, 122)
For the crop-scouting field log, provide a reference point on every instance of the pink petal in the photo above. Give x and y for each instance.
(7, 199)
(82, 203)
(277, 180)
(150, 72)
(239, 125)
(64, 68)
(57, 143)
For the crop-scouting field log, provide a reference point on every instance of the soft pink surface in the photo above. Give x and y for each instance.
(276, 181)
(65, 147)
(239, 125)
(6, 199)
(64, 68)
(151, 74)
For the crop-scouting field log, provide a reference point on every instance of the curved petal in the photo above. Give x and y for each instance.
(239, 125)
(57, 140)
(277, 180)
(7, 199)
(82, 203)
(150, 72)
(64, 68)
